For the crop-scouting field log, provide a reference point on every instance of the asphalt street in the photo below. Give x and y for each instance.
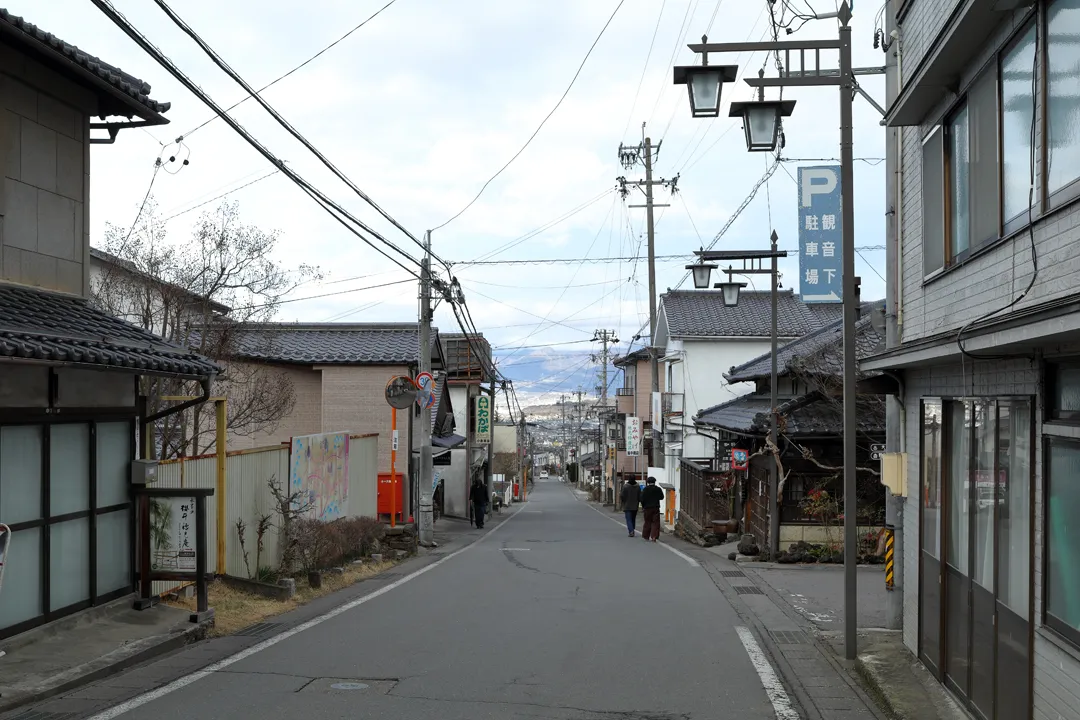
(556, 613)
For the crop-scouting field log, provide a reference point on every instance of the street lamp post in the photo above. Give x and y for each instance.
(753, 264)
(761, 122)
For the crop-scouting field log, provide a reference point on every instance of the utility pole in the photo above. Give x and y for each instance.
(427, 518)
(563, 433)
(606, 338)
(645, 154)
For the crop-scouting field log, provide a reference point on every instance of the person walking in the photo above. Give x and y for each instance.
(631, 498)
(478, 496)
(651, 497)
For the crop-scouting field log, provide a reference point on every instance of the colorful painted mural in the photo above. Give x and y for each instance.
(319, 472)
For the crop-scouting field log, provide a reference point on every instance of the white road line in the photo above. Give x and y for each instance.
(183, 682)
(773, 687)
(691, 561)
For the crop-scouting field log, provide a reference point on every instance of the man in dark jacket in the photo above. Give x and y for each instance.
(631, 498)
(651, 497)
(479, 499)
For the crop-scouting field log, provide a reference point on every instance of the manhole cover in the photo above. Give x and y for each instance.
(349, 686)
(732, 573)
(748, 590)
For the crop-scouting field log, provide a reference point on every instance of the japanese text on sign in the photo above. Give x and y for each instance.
(483, 420)
(172, 534)
(633, 436)
(820, 233)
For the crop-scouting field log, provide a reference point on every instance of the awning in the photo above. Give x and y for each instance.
(449, 441)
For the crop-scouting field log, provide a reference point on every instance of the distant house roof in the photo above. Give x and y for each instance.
(44, 326)
(118, 93)
(335, 343)
(632, 358)
(824, 344)
(466, 356)
(807, 415)
(130, 267)
(702, 313)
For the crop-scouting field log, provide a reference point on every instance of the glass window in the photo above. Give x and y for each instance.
(933, 192)
(1063, 537)
(1063, 93)
(69, 468)
(20, 473)
(959, 467)
(1014, 504)
(931, 478)
(113, 463)
(959, 187)
(1065, 391)
(69, 563)
(22, 579)
(114, 551)
(982, 109)
(985, 493)
(1017, 118)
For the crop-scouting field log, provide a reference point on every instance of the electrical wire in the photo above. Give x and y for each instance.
(542, 122)
(324, 295)
(648, 56)
(228, 70)
(270, 84)
(338, 212)
(218, 197)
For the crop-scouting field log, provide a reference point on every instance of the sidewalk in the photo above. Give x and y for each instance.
(800, 611)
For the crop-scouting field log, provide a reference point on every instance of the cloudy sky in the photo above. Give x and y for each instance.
(426, 102)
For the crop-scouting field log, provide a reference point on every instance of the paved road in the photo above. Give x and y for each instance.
(554, 614)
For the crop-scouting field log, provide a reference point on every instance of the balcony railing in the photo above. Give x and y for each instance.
(671, 404)
(624, 392)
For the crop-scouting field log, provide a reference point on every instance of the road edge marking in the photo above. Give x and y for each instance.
(774, 689)
(180, 683)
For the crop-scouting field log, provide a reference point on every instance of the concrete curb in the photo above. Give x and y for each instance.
(874, 685)
(110, 664)
(903, 689)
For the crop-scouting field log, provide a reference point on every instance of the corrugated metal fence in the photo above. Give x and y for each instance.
(248, 497)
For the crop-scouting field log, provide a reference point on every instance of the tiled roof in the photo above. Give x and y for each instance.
(46, 326)
(334, 343)
(824, 345)
(104, 73)
(702, 313)
(630, 358)
(807, 415)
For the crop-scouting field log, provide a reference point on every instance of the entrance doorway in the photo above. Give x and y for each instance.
(976, 503)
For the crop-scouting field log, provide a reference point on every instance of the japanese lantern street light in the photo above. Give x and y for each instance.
(701, 271)
(761, 121)
(730, 290)
(703, 83)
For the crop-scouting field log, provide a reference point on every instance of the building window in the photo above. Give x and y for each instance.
(1062, 538)
(959, 187)
(1014, 505)
(1063, 94)
(1017, 128)
(959, 469)
(973, 170)
(933, 194)
(931, 478)
(1063, 380)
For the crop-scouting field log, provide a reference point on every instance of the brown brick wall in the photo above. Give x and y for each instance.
(305, 418)
(353, 399)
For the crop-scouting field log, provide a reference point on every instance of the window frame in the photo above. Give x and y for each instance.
(1062, 630)
(1052, 413)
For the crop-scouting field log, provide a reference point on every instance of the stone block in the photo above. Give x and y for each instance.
(56, 115)
(56, 226)
(39, 270)
(10, 134)
(70, 169)
(18, 97)
(20, 215)
(69, 277)
(376, 557)
(38, 155)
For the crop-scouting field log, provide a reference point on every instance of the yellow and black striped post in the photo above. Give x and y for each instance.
(890, 540)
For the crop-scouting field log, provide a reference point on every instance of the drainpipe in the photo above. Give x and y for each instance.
(206, 383)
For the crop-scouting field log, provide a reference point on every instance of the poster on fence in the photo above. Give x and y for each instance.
(172, 534)
(319, 475)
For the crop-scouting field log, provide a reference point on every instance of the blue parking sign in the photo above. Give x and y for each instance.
(820, 235)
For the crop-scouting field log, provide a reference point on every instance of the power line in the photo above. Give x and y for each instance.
(648, 56)
(566, 261)
(228, 70)
(218, 197)
(298, 67)
(335, 210)
(542, 122)
(324, 295)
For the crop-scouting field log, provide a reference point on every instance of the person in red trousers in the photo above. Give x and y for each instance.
(651, 497)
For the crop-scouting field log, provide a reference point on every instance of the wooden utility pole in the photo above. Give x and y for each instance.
(646, 153)
(606, 338)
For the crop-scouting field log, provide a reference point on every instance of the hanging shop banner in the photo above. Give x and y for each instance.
(740, 459)
(482, 429)
(172, 534)
(633, 436)
(820, 235)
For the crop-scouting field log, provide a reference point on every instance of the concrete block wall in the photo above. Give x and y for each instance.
(44, 202)
(353, 399)
(305, 418)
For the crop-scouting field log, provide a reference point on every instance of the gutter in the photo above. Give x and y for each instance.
(206, 383)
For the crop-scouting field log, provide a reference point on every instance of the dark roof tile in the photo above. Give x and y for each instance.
(332, 343)
(138, 90)
(702, 313)
(51, 327)
(807, 415)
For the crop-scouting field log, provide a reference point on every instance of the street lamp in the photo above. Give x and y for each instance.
(730, 291)
(703, 83)
(761, 127)
(761, 121)
(701, 271)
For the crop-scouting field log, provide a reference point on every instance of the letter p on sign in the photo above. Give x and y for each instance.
(816, 181)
